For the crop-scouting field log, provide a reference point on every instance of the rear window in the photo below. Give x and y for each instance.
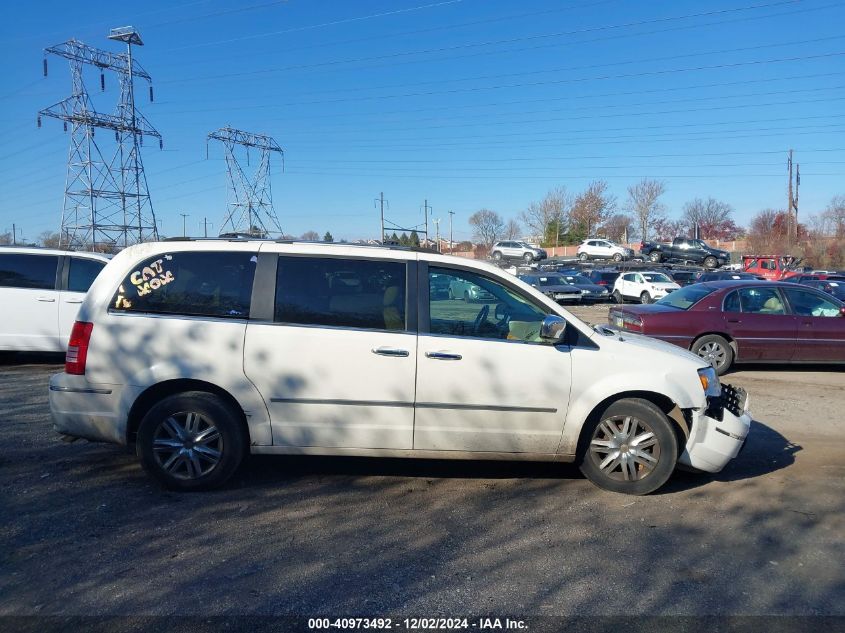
(687, 297)
(213, 284)
(82, 273)
(337, 292)
(28, 271)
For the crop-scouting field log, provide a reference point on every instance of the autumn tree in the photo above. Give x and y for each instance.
(512, 230)
(619, 227)
(713, 218)
(592, 207)
(644, 203)
(548, 219)
(665, 229)
(311, 236)
(487, 227)
(6, 238)
(834, 217)
(49, 239)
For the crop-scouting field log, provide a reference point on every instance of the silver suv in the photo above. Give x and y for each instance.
(517, 250)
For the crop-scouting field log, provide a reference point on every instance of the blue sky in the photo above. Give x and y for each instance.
(466, 103)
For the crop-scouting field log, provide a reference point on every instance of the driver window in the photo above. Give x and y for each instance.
(476, 306)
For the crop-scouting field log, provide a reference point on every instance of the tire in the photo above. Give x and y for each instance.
(583, 257)
(635, 442)
(497, 256)
(528, 257)
(654, 256)
(451, 296)
(645, 298)
(617, 297)
(158, 443)
(617, 257)
(466, 297)
(715, 350)
(710, 262)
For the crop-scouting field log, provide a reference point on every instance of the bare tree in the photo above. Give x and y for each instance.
(549, 217)
(592, 206)
(834, 216)
(706, 214)
(644, 203)
(49, 239)
(512, 229)
(619, 227)
(487, 226)
(310, 236)
(6, 238)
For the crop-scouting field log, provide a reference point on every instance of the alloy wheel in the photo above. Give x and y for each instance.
(624, 448)
(187, 445)
(713, 353)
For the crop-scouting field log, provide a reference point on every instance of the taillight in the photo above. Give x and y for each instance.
(602, 283)
(77, 348)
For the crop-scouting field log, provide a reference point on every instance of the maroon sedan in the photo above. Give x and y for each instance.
(744, 322)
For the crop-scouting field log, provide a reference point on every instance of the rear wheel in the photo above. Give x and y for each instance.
(630, 448)
(191, 441)
(645, 297)
(528, 257)
(497, 256)
(654, 256)
(617, 257)
(710, 262)
(715, 350)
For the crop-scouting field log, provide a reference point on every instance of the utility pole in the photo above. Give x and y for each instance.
(14, 234)
(425, 210)
(184, 229)
(380, 201)
(205, 224)
(789, 199)
(451, 248)
(437, 233)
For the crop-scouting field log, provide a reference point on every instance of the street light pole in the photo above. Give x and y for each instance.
(451, 248)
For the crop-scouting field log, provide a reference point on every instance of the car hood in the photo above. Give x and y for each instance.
(567, 289)
(646, 309)
(593, 288)
(665, 285)
(638, 341)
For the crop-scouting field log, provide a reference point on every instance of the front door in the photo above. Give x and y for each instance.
(764, 330)
(336, 366)
(485, 382)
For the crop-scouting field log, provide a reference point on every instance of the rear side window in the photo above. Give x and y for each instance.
(82, 273)
(213, 284)
(28, 271)
(330, 291)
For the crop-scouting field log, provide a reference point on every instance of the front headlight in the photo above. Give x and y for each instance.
(710, 382)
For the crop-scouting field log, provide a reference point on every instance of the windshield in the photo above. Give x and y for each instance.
(551, 280)
(577, 279)
(685, 298)
(656, 278)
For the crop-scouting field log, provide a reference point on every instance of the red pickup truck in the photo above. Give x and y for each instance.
(772, 267)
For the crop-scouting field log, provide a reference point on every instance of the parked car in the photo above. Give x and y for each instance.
(684, 277)
(198, 352)
(590, 292)
(603, 277)
(728, 275)
(462, 289)
(554, 286)
(517, 250)
(744, 322)
(41, 290)
(643, 286)
(603, 249)
(439, 286)
(830, 286)
(687, 250)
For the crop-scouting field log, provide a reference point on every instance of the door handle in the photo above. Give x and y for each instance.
(443, 356)
(74, 301)
(45, 300)
(734, 321)
(390, 351)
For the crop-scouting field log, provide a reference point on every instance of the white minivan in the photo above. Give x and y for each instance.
(41, 290)
(199, 352)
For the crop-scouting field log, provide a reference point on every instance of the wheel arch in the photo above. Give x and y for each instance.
(731, 341)
(677, 417)
(157, 392)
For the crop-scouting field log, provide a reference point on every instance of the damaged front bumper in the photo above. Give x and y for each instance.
(718, 433)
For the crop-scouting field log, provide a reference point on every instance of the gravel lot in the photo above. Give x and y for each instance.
(84, 531)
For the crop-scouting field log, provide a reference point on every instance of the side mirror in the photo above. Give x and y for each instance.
(842, 311)
(552, 329)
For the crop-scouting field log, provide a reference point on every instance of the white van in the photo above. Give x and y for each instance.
(41, 290)
(199, 352)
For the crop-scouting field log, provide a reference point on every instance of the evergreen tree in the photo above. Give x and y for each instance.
(414, 240)
(328, 237)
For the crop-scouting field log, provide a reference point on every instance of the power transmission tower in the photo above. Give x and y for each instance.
(250, 209)
(105, 204)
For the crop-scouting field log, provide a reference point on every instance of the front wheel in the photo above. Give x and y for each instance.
(617, 257)
(645, 298)
(583, 257)
(528, 257)
(710, 262)
(617, 297)
(654, 257)
(497, 256)
(191, 441)
(715, 350)
(630, 448)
